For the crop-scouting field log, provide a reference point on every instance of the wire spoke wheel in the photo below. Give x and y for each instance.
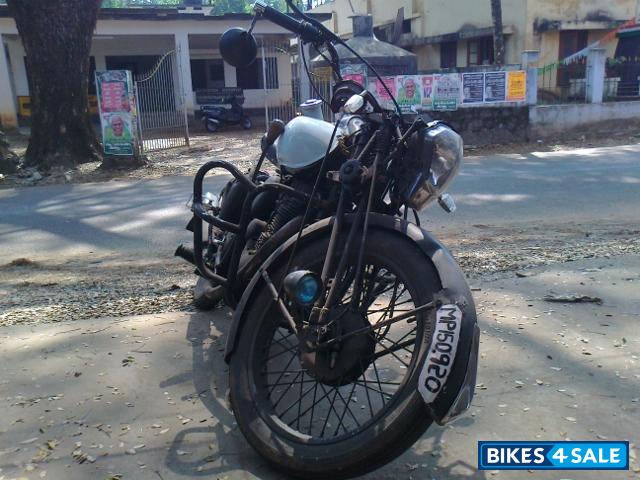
(326, 407)
(340, 398)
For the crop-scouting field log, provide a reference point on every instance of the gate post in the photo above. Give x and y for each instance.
(596, 58)
(184, 68)
(529, 60)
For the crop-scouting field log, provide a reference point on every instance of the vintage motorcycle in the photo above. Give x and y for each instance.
(353, 328)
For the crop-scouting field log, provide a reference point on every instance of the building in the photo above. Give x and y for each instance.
(136, 38)
(459, 33)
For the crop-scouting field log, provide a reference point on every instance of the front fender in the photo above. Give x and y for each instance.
(456, 394)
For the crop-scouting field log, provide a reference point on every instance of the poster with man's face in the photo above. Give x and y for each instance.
(117, 137)
(409, 88)
(115, 103)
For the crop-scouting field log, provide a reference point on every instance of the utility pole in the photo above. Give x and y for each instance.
(498, 33)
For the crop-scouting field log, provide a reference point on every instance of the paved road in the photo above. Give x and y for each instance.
(145, 397)
(148, 216)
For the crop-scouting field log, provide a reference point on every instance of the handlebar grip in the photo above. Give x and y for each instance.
(307, 31)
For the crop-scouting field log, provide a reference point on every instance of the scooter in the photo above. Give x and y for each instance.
(216, 116)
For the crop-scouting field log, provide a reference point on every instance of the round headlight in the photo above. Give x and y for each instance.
(447, 157)
(436, 156)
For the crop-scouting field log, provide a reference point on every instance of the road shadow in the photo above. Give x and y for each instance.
(228, 452)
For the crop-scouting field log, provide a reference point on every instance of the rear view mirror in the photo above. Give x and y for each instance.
(238, 47)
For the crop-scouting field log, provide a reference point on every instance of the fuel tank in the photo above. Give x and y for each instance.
(304, 142)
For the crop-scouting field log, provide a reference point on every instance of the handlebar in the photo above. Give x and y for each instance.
(307, 31)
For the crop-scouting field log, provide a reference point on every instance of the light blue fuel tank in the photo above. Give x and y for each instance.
(304, 142)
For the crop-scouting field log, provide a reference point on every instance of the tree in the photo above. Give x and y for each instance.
(498, 33)
(56, 35)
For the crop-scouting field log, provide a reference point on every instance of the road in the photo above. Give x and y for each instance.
(146, 396)
(146, 218)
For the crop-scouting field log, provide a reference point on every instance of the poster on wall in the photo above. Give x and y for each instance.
(427, 91)
(446, 95)
(356, 72)
(115, 106)
(472, 88)
(494, 87)
(376, 86)
(516, 86)
(409, 90)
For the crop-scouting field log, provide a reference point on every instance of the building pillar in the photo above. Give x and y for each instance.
(184, 69)
(529, 64)
(101, 62)
(596, 58)
(8, 113)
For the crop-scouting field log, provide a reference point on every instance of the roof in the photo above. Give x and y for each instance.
(170, 13)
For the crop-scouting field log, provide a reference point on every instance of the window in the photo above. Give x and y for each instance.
(207, 73)
(571, 41)
(137, 64)
(251, 77)
(448, 54)
(406, 26)
(480, 51)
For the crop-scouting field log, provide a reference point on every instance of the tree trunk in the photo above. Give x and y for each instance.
(498, 33)
(56, 35)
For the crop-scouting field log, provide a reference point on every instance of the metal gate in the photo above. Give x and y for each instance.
(161, 106)
(281, 74)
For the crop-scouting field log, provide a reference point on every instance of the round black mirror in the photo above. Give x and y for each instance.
(238, 47)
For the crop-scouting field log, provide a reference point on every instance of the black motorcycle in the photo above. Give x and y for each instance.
(353, 328)
(216, 116)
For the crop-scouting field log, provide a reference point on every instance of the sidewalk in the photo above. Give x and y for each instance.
(145, 397)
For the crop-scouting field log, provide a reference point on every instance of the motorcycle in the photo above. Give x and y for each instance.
(216, 116)
(353, 328)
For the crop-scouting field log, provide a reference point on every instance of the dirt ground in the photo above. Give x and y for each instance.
(243, 147)
(64, 290)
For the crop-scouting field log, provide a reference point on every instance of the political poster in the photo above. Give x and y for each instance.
(472, 88)
(356, 72)
(409, 90)
(378, 90)
(516, 86)
(494, 87)
(446, 94)
(115, 105)
(427, 91)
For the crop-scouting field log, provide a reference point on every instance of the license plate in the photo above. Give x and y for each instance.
(442, 352)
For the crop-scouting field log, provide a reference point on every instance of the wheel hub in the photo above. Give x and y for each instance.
(344, 361)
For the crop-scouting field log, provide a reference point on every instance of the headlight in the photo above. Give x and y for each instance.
(434, 158)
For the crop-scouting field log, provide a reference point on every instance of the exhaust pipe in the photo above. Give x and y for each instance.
(186, 252)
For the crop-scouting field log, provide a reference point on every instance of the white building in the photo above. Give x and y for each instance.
(135, 38)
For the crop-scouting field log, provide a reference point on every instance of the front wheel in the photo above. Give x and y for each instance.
(246, 123)
(349, 410)
(211, 126)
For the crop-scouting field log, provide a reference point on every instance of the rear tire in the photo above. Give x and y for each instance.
(305, 452)
(246, 123)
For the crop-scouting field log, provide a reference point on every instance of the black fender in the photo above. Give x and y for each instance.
(457, 392)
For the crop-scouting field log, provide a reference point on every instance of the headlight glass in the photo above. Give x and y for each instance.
(440, 165)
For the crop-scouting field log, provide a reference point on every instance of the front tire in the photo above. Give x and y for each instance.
(388, 414)
(211, 126)
(246, 123)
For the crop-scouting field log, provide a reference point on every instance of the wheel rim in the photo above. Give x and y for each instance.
(294, 403)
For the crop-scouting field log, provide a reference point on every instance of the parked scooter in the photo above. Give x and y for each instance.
(216, 116)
